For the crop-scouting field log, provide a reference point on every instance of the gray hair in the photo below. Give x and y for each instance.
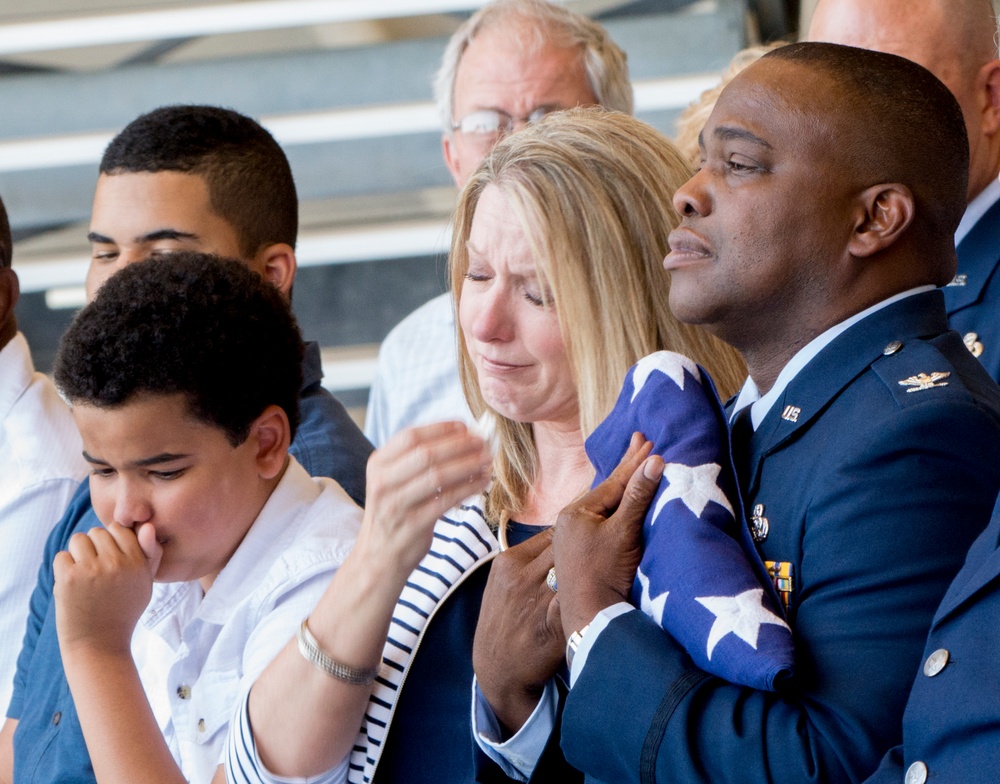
(604, 62)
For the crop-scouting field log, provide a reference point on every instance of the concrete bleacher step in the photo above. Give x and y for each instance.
(355, 118)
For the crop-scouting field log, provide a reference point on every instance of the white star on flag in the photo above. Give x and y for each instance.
(652, 607)
(694, 485)
(742, 615)
(667, 362)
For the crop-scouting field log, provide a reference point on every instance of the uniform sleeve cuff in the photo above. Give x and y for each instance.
(600, 622)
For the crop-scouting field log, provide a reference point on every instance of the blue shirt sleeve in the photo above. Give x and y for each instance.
(41, 597)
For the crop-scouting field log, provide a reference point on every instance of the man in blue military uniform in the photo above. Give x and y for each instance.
(956, 41)
(812, 239)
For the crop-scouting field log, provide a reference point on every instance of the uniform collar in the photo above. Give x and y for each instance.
(762, 404)
(838, 363)
(989, 196)
(266, 540)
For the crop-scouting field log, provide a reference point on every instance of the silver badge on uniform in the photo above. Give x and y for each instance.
(922, 381)
(759, 525)
(971, 340)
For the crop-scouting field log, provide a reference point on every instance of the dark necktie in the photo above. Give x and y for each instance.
(742, 432)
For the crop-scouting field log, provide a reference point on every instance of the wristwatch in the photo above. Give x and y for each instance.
(573, 643)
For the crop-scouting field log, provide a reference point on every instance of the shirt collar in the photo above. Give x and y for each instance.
(762, 404)
(977, 208)
(312, 364)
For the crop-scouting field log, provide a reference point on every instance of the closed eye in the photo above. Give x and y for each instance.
(167, 475)
(534, 299)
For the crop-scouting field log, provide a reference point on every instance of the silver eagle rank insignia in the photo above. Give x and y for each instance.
(923, 381)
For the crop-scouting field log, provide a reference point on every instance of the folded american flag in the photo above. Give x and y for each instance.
(700, 577)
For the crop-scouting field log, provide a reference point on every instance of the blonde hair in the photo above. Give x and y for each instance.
(593, 191)
(694, 117)
(604, 62)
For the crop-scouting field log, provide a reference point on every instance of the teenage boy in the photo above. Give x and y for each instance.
(212, 180)
(215, 543)
(178, 178)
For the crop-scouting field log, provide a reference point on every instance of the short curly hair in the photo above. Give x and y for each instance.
(192, 324)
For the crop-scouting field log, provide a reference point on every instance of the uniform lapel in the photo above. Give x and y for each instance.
(977, 260)
(982, 567)
(836, 366)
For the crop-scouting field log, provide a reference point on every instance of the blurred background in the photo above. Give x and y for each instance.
(344, 85)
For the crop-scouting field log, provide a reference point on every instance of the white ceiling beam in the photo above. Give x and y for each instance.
(324, 126)
(216, 19)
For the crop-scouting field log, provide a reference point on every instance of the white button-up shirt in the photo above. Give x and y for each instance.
(41, 465)
(198, 653)
(416, 381)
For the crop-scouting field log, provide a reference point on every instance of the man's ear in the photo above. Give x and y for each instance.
(10, 291)
(884, 212)
(989, 82)
(272, 436)
(451, 158)
(277, 264)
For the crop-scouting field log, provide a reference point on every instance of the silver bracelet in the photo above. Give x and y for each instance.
(316, 656)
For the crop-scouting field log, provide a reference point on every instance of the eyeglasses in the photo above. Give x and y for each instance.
(490, 124)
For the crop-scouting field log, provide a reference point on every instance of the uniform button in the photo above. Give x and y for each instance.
(936, 662)
(916, 774)
(201, 725)
(184, 692)
(56, 717)
(893, 347)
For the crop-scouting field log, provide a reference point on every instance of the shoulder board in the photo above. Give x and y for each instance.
(917, 372)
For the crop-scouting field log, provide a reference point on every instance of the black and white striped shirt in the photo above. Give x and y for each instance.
(462, 541)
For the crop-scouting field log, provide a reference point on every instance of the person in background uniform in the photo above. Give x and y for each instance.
(511, 63)
(812, 239)
(177, 178)
(40, 467)
(957, 41)
(951, 727)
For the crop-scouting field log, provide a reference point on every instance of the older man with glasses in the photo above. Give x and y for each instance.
(511, 63)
